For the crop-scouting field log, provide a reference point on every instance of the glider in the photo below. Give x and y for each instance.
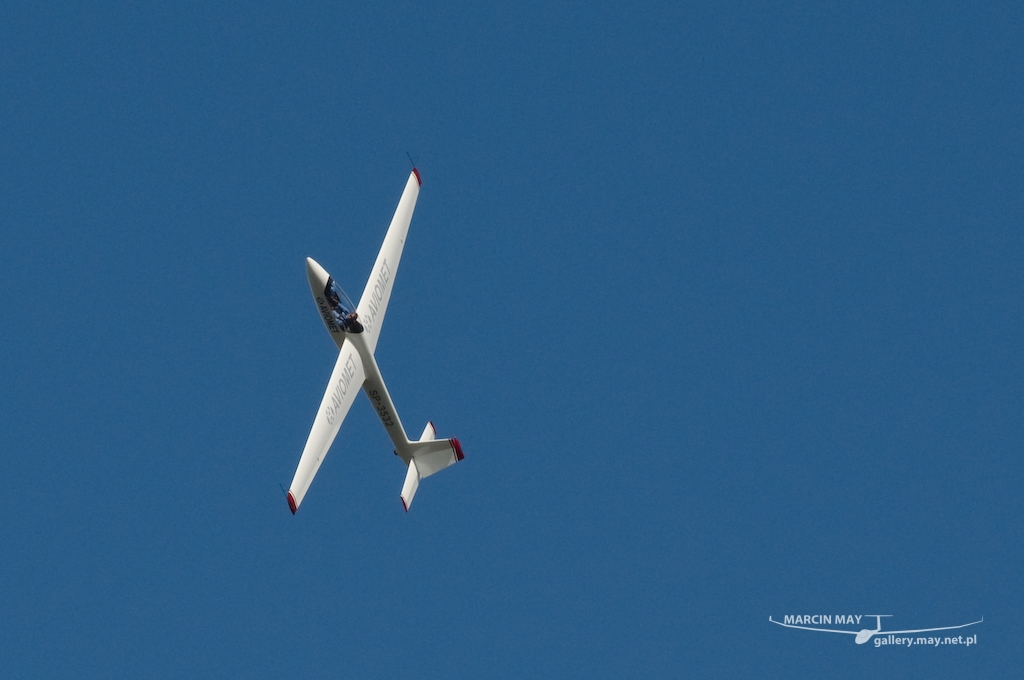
(866, 634)
(355, 330)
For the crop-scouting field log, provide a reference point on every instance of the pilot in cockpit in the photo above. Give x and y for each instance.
(352, 324)
(342, 309)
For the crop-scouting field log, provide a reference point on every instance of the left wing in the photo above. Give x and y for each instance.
(347, 378)
(377, 293)
(820, 630)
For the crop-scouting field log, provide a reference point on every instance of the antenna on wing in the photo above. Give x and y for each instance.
(410, 159)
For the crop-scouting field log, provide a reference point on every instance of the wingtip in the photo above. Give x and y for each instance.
(458, 449)
(291, 503)
(404, 506)
(419, 180)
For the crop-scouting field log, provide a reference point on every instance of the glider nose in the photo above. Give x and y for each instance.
(317, 276)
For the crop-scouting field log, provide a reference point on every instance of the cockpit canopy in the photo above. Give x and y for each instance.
(342, 309)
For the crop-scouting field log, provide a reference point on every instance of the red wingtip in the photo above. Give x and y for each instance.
(458, 449)
(291, 503)
(403, 503)
(416, 172)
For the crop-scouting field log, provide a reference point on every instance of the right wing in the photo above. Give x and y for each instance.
(346, 380)
(928, 630)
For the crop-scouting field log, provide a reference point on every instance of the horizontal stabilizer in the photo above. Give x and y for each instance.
(436, 455)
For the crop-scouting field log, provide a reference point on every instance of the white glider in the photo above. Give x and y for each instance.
(355, 330)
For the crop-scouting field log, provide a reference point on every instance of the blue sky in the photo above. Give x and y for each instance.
(723, 301)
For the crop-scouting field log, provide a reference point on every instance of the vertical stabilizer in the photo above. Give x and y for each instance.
(412, 482)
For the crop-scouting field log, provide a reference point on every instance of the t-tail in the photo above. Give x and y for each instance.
(428, 455)
(424, 457)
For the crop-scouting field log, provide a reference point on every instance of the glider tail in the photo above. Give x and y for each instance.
(429, 455)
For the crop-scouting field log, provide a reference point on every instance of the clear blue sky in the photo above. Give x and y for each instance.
(723, 300)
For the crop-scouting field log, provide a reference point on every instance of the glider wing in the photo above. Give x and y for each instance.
(928, 630)
(820, 630)
(377, 293)
(347, 378)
